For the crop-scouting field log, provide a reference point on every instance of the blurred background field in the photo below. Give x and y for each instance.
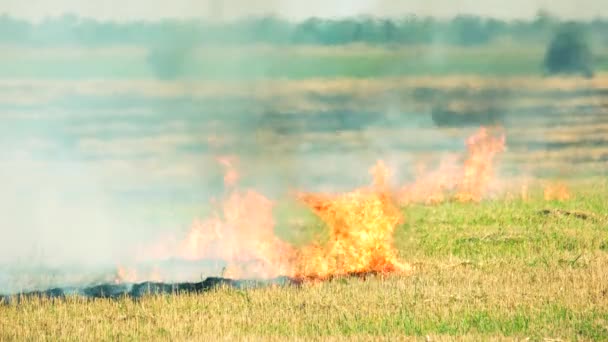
(264, 61)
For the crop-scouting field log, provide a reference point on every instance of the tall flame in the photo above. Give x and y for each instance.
(478, 168)
(469, 182)
(432, 187)
(241, 233)
(361, 223)
(361, 226)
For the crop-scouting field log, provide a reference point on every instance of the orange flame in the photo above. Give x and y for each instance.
(556, 192)
(431, 187)
(231, 176)
(361, 223)
(243, 234)
(131, 275)
(361, 226)
(125, 275)
(471, 181)
(478, 168)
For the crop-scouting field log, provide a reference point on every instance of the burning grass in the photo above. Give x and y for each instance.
(361, 233)
(361, 224)
(492, 270)
(468, 181)
(489, 269)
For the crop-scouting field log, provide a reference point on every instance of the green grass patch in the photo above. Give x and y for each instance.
(255, 62)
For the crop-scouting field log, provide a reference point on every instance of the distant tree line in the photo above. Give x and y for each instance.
(464, 30)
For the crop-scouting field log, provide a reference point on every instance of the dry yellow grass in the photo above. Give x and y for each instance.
(493, 298)
(495, 270)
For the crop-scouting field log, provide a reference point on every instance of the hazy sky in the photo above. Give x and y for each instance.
(299, 9)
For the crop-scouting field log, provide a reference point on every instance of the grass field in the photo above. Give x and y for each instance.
(268, 62)
(498, 269)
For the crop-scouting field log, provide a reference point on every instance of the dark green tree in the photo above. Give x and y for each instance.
(171, 52)
(569, 52)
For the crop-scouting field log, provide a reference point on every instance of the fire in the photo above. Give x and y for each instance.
(361, 226)
(478, 168)
(361, 223)
(557, 192)
(231, 176)
(381, 173)
(131, 275)
(241, 233)
(125, 275)
(432, 187)
(469, 182)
